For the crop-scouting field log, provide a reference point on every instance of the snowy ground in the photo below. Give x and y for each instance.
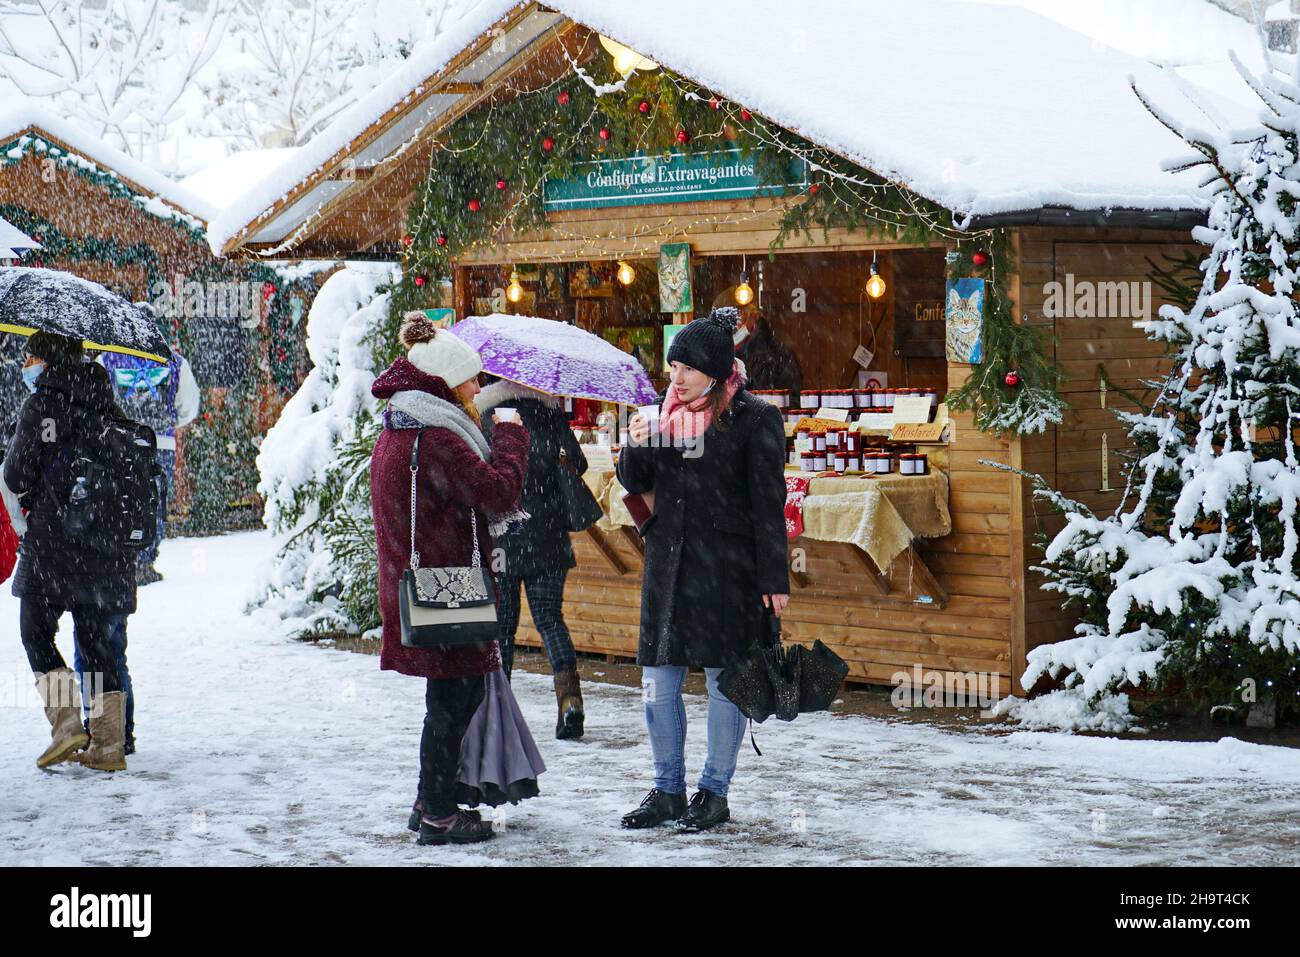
(257, 750)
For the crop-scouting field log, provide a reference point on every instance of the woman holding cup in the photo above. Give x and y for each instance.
(715, 556)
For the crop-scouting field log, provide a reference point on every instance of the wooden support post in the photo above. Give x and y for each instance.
(605, 548)
(924, 578)
(878, 582)
(633, 538)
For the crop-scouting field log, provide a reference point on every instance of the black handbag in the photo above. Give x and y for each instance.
(451, 605)
(581, 510)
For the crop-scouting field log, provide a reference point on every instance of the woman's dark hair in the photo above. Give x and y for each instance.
(55, 349)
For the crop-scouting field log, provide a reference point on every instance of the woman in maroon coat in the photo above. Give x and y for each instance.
(430, 393)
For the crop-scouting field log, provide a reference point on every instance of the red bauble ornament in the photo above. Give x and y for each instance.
(979, 258)
(746, 116)
(604, 133)
(420, 280)
(548, 144)
(474, 205)
(442, 239)
(715, 103)
(812, 190)
(502, 184)
(562, 98)
(683, 136)
(1012, 379)
(644, 106)
(407, 240)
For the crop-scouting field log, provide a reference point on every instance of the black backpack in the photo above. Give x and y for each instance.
(112, 482)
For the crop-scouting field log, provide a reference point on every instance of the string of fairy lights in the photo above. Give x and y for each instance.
(835, 193)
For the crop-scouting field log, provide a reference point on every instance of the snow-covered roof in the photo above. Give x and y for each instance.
(223, 182)
(166, 197)
(983, 107)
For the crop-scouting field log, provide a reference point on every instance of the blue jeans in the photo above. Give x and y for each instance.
(167, 462)
(665, 718)
(117, 646)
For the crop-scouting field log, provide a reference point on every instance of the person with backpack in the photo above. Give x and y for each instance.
(165, 398)
(87, 480)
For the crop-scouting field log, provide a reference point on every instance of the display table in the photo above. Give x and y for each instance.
(881, 515)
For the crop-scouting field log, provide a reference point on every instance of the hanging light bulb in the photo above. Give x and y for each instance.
(744, 292)
(626, 59)
(626, 274)
(514, 291)
(875, 282)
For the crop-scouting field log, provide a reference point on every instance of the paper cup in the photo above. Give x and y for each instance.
(508, 415)
(651, 413)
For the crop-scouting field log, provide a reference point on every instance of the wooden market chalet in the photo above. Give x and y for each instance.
(958, 599)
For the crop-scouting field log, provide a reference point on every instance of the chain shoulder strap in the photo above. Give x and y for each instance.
(477, 559)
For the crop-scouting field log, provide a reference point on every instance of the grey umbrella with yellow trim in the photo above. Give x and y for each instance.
(49, 300)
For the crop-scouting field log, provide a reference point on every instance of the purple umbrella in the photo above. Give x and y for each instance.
(556, 357)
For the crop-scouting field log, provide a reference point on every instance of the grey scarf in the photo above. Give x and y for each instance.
(429, 411)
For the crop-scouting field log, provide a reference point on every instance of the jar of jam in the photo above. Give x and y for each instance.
(810, 400)
(890, 396)
(906, 464)
(819, 461)
(819, 440)
(807, 461)
(832, 439)
(921, 464)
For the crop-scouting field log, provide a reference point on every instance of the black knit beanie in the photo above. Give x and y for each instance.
(706, 344)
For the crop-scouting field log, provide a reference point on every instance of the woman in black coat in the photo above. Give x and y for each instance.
(537, 554)
(715, 556)
(70, 401)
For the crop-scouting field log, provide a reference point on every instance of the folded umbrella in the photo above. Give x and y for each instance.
(556, 357)
(49, 300)
(773, 680)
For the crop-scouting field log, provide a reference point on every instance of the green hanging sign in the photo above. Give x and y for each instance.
(666, 178)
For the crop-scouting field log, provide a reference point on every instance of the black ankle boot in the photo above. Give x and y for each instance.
(463, 827)
(657, 807)
(417, 809)
(706, 810)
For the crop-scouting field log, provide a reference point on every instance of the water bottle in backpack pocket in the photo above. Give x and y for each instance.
(113, 489)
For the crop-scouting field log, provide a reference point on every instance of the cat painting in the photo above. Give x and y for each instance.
(964, 314)
(675, 278)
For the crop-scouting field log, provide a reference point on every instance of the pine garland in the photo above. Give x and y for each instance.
(543, 133)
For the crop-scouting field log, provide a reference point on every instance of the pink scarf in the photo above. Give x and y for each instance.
(679, 420)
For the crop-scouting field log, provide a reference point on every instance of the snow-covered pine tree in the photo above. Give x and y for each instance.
(1194, 581)
(315, 465)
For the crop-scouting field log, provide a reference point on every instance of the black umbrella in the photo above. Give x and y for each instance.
(49, 300)
(772, 680)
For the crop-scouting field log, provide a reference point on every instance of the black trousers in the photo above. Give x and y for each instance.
(449, 706)
(38, 623)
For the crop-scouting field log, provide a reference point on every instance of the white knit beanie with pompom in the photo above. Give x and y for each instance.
(438, 352)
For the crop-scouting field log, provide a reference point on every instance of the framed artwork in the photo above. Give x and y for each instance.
(485, 305)
(594, 279)
(554, 282)
(638, 341)
(675, 293)
(670, 330)
(589, 314)
(964, 319)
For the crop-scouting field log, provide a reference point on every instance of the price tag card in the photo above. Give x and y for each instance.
(837, 415)
(599, 457)
(876, 420)
(863, 356)
(911, 408)
(917, 432)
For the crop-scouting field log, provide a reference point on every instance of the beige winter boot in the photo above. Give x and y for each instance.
(568, 699)
(58, 691)
(107, 751)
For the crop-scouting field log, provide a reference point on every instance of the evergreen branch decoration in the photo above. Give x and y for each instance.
(546, 132)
